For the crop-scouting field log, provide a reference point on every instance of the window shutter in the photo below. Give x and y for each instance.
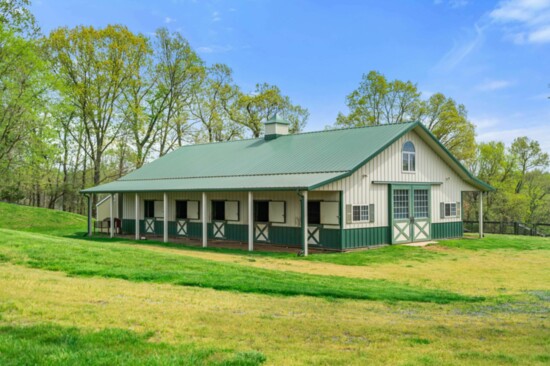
(458, 207)
(193, 210)
(348, 214)
(442, 209)
(371, 212)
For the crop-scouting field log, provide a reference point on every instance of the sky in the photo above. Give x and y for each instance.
(491, 56)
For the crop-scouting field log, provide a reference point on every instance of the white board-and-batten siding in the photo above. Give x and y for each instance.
(291, 199)
(359, 188)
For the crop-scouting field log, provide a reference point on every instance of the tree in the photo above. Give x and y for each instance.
(528, 155)
(16, 16)
(251, 110)
(379, 101)
(94, 66)
(23, 82)
(208, 105)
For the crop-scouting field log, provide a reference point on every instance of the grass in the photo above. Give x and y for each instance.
(500, 242)
(40, 220)
(118, 261)
(101, 301)
(55, 345)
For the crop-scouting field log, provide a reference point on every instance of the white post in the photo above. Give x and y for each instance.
(204, 222)
(90, 215)
(480, 199)
(306, 249)
(250, 221)
(136, 214)
(112, 223)
(165, 214)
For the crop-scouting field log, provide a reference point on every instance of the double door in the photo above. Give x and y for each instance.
(410, 213)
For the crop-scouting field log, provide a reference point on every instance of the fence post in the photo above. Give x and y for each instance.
(516, 228)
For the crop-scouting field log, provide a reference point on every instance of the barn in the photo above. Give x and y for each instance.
(334, 189)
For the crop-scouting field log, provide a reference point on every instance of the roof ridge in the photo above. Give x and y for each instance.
(297, 134)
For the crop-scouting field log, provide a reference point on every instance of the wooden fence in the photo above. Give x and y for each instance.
(512, 228)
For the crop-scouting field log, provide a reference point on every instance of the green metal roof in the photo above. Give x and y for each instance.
(299, 161)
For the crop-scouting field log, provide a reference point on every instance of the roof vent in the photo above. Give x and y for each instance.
(275, 127)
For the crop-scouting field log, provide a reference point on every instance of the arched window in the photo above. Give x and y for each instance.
(409, 157)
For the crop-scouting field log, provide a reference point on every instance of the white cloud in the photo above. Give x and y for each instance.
(458, 3)
(526, 21)
(169, 20)
(216, 16)
(462, 49)
(491, 85)
(538, 133)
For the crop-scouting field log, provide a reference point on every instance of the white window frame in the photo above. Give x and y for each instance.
(409, 154)
(360, 205)
(450, 209)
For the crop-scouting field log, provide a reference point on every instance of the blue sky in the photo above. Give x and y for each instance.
(492, 56)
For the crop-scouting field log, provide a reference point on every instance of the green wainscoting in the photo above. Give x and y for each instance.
(442, 230)
(291, 236)
(365, 237)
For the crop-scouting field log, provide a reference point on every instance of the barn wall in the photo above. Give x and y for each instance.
(359, 189)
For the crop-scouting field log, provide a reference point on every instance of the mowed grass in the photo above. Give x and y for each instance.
(41, 220)
(56, 345)
(50, 315)
(113, 260)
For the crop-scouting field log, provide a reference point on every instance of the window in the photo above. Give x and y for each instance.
(148, 208)
(409, 157)
(360, 213)
(421, 203)
(181, 209)
(261, 211)
(450, 209)
(218, 210)
(314, 212)
(401, 204)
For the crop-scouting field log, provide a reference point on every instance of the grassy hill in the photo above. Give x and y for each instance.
(40, 220)
(68, 301)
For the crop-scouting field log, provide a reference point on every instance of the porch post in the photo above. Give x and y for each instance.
(112, 219)
(480, 202)
(304, 224)
(250, 221)
(204, 222)
(165, 218)
(90, 215)
(136, 216)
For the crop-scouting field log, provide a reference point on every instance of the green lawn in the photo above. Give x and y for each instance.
(56, 345)
(81, 258)
(70, 300)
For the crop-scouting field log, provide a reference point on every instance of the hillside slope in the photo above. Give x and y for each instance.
(43, 220)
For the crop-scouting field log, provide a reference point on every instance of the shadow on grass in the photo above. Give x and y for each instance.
(113, 260)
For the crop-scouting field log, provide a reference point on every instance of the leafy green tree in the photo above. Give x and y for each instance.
(23, 85)
(16, 16)
(528, 155)
(380, 101)
(251, 110)
(94, 66)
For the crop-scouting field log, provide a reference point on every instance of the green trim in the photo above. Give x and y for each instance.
(442, 230)
(365, 161)
(475, 180)
(421, 183)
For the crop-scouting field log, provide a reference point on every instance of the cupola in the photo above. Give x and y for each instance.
(275, 126)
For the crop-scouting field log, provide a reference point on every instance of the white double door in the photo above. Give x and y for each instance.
(410, 213)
